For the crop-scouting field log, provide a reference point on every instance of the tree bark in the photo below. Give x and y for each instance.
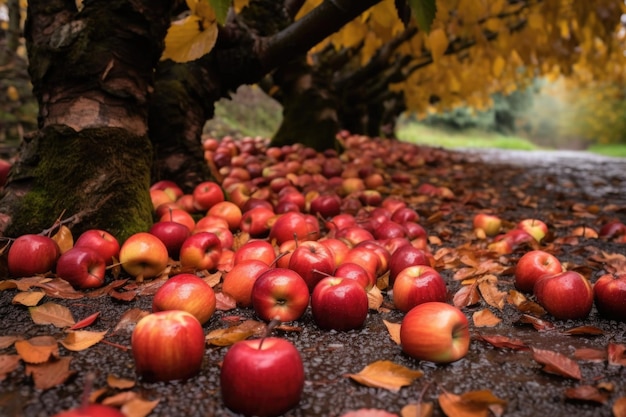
(92, 72)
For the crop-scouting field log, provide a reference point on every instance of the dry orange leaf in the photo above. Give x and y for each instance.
(230, 335)
(387, 375)
(8, 364)
(6, 341)
(120, 399)
(394, 330)
(224, 302)
(466, 296)
(499, 341)
(584, 331)
(470, 404)
(29, 298)
(537, 323)
(485, 318)
(99, 292)
(64, 238)
(488, 288)
(59, 288)
(139, 407)
(619, 407)
(589, 354)
(119, 383)
(587, 393)
(38, 349)
(52, 313)
(616, 354)
(50, 374)
(417, 410)
(556, 363)
(374, 298)
(81, 339)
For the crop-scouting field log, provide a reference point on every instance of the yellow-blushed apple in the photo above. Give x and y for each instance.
(143, 255)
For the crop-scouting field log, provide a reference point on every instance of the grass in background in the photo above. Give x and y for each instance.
(615, 150)
(425, 135)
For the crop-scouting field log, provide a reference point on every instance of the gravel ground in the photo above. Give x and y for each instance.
(543, 185)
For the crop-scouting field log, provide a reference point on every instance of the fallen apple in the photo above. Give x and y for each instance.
(280, 294)
(31, 255)
(532, 266)
(82, 267)
(435, 332)
(339, 304)
(186, 292)
(262, 377)
(610, 296)
(566, 295)
(168, 345)
(416, 285)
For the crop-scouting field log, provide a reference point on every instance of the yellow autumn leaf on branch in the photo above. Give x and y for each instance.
(437, 43)
(193, 36)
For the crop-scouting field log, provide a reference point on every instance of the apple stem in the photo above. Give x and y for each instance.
(317, 271)
(269, 329)
(89, 378)
(280, 255)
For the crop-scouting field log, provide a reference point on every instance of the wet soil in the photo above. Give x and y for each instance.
(548, 186)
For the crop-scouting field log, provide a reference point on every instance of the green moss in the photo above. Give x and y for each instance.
(100, 175)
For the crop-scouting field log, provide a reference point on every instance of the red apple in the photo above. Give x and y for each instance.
(435, 332)
(313, 261)
(416, 285)
(228, 211)
(168, 345)
(5, 168)
(338, 247)
(262, 377)
(610, 296)
(32, 255)
(532, 266)
(488, 223)
(186, 292)
(367, 258)
(160, 198)
(340, 221)
(389, 230)
(91, 410)
(102, 242)
(393, 203)
(354, 235)
(172, 234)
(356, 272)
(256, 221)
(280, 293)
(181, 216)
(206, 195)
(143, 255)
(566, 295)
(404, 215)
(170, 188)
(82, 267)
(534, 227)
(612, 230)
(239, 281)
(294, 225)
(339, 304)
(201, 251)
(260, 250)
(380, 250)
(326, 205)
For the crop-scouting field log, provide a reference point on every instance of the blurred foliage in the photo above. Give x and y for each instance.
(249, 112)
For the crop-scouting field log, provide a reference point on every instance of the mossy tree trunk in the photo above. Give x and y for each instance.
(92, 72)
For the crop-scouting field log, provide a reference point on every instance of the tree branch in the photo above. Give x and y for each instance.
(303, 34)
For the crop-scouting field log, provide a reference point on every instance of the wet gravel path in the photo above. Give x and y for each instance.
(515, 185)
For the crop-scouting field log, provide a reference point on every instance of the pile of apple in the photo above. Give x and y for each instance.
(290, 228)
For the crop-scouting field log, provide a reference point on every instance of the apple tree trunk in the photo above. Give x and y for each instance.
(92, 73)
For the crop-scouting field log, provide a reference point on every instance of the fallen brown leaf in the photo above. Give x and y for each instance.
(374, 298)
(29, 298)
(584, 331)
(504, 342)
(81, 339)
(6, 341)
(59, 288)
(139, 407)
(587, 393)
(589, 354)
(466, 296)
(224, 302)
(119, 383)
(50, 374)
(488, 288)
(619, 407)
(469, 404)
(38, 349)
(394, 330)
(537, 323)
(8, 364)
(615, 353)
(387, 375)
(52, 313)
(557, 363)
(417, 410)
(230, 335)
(129, 319)
(485, 318)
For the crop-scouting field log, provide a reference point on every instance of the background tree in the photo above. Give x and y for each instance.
(116, 112)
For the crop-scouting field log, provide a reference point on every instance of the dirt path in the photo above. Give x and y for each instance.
(565, 190)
